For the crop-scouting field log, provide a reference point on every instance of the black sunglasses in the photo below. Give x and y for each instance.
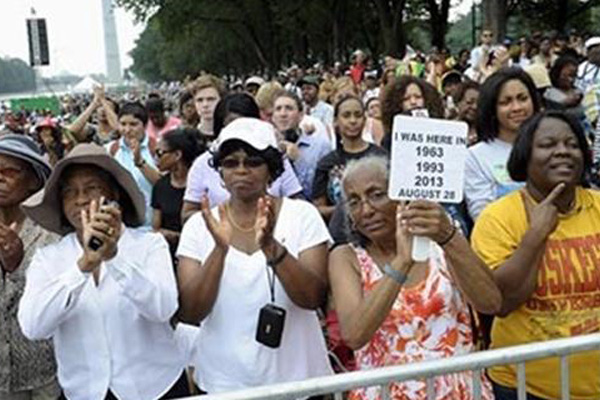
(248, 162)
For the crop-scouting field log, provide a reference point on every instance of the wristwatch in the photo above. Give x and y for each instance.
(398, 276)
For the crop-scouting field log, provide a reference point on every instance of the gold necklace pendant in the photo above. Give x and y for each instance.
(235, 224)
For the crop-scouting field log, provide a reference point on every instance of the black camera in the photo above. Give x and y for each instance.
(271, 320)
(291, 135)
(95, 243)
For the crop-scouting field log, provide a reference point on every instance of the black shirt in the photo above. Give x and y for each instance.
(169, 201)
(327, 180)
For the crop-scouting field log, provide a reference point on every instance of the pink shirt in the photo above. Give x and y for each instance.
(156, 133)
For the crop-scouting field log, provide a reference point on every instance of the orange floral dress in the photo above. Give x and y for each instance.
(427, 321)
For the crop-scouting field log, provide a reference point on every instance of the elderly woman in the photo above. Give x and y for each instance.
(27, 369)
(105, 292)
(393, 310)
(253, 271)
(540, 243)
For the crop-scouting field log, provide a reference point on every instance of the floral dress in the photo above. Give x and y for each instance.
(427, 321)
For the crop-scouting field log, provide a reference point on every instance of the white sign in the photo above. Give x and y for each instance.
(428, 159)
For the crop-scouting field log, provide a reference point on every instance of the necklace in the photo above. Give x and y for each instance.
(235, 225)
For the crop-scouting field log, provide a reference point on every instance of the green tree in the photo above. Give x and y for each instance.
(16, 76)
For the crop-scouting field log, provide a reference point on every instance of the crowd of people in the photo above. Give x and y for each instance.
(215, 235)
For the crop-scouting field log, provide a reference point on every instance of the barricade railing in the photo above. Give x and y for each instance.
(427, 370)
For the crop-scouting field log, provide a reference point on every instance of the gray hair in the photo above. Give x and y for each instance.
(378, 163)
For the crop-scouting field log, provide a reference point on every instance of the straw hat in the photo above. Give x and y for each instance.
(45, 207)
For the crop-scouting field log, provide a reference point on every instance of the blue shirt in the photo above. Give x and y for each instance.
(124, 156)
(311, 148)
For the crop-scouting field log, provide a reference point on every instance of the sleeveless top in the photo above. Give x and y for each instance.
(428, 321)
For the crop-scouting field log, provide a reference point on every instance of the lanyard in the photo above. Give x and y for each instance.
(271, 278)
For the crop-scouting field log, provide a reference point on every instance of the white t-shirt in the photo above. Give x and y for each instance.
(486, 175)
(228, 356)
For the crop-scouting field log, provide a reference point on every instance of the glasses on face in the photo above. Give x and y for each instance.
(92, 191)
(161, 152)
(10, 172)
(248, 162)
(376, 199)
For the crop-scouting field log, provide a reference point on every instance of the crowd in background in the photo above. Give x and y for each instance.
(216, 234)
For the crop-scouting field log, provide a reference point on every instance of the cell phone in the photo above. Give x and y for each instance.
(95, 243)
(271, 321)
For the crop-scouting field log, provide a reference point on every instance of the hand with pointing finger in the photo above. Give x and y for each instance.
(543, 217)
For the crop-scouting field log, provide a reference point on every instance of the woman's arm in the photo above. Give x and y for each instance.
(304, 278)
(199, 285)
(325, 210)
(77, 126)
(471, 275)
(360, 316)
(170, 235)
(517, 276)
(156, 216)
(111, 116)
(150, 173)
(199, 282)
(188, 209)
(474, 279)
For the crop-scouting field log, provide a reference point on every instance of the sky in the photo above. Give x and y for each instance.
(75, 34)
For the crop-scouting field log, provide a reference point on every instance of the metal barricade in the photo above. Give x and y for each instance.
(476, 362)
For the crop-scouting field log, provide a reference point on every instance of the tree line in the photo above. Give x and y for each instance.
(16, 76)
(183, 37)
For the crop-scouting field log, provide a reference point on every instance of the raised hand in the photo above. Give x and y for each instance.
(221, 230)
(104, 223)
(265, 222)
(426, 218)
(136, 149)
(11, 248)
(404, 238)
(543, 217)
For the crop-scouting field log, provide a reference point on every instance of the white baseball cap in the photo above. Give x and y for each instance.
(254, 80)
(252, 131)
(593, 41)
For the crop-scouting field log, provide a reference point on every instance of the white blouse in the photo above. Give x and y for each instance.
(228, 356)
(115, 335)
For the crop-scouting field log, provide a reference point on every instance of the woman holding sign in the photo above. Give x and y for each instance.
(506, 100)
(393, 310)
(541, 242)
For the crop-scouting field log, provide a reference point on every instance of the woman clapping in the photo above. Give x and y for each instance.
(252, 260)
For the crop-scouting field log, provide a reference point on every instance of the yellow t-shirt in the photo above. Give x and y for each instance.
(567, 298)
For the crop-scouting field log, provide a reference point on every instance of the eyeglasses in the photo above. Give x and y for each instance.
(376, 199)
(91, 191)
(248, 162)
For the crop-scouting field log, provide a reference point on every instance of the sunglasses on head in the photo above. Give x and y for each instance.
(248, 162)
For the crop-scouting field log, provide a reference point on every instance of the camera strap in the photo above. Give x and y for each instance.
(271, 278)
